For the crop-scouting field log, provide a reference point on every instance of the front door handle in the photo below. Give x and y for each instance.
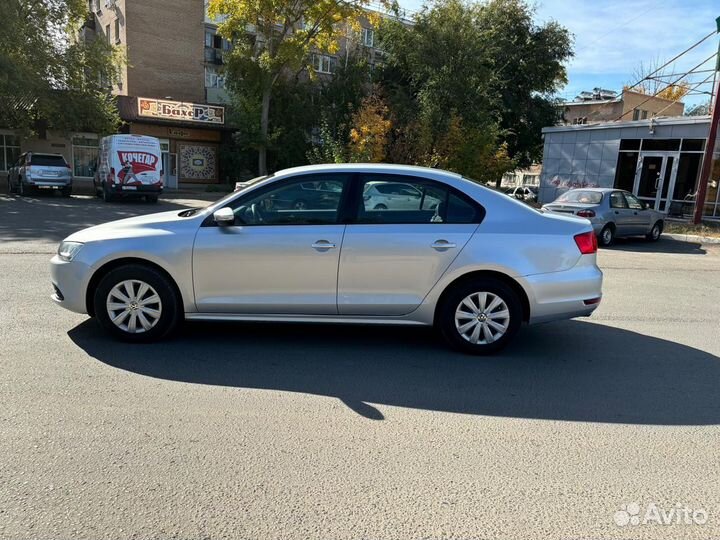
(323, 245)
(442, 245)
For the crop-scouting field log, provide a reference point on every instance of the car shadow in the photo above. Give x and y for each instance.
(664, 245)
(573, 370)
(51, 218)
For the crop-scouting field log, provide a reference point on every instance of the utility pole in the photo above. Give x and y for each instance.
(711, 142)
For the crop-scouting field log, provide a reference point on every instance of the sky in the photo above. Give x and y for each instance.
(612, 38)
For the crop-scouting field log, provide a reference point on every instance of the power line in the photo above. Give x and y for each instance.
(707, 79)
(670, 84)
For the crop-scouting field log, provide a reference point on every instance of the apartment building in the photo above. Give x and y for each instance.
(602, 105)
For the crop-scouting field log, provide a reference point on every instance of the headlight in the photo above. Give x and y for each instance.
(68, 250)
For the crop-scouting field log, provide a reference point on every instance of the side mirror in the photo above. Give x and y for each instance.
(224, 216)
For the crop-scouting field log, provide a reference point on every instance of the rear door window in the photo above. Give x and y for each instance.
(617, 200)
(47, 161)
(405, 199)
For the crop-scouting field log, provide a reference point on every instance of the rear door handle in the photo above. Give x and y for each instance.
(442, 245)
(323, 245)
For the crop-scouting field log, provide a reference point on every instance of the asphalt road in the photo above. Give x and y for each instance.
(309, 431)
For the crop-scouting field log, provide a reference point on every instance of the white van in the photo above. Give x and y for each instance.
(129, 165)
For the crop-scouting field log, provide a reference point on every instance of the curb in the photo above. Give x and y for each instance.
(692, 238)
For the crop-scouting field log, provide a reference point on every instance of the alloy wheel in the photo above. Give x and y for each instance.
(482, 318)
(134, 306)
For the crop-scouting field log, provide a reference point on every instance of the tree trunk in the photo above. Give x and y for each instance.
(264, 120)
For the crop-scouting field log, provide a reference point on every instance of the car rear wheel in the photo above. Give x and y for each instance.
(480, 316)
(380, 207)
(106, 195)
(655, 232)
(67, 192)
(607, 235)
(136, 303)
(22, 190)
(151, 198)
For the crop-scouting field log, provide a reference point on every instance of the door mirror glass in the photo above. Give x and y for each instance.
(224, 216)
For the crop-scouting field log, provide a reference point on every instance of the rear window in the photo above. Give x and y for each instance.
(47, 161)
(581, 196)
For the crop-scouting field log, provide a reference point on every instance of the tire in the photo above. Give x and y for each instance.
(22, 190)
(151, 199)
(10, 190)
(607, 235)
(655, 232)
(467, 297)
(106, 195)
(380, 207)
(66, 192)
(151, 319)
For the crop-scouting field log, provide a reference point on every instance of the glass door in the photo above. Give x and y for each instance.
(655, 179)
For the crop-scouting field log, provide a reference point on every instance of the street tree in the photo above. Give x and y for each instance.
(50, 78)
(275, 38)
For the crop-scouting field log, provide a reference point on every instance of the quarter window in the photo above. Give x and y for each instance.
(309, 200)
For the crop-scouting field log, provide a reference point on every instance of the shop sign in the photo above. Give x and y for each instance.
(180, 111)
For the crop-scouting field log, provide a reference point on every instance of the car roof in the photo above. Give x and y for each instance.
(385, 168)
(598, 189)
(45, 154)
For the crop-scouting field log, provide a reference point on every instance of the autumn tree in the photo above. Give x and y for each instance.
(275, 38)
(654, 79)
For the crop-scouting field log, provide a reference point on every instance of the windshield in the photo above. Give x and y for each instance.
(231, 195)
(580, 196)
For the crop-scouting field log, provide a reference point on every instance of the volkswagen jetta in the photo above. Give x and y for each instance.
(468, 260)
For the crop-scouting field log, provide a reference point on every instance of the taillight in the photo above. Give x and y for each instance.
(586, 243)
(586, 213)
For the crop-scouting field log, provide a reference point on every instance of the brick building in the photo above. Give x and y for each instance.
(608, 106)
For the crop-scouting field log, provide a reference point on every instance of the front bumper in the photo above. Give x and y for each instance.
(70, 280)
(564, 295)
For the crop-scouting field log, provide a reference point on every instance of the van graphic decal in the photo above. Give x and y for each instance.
(138, 168)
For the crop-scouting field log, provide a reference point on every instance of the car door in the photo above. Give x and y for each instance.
(274, 259)
(391, 258)
(639, 215)
(621, 214)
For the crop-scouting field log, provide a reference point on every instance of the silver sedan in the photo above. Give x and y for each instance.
(614, 213)
(476, 265)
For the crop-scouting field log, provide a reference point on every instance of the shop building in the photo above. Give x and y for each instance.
(658, 159)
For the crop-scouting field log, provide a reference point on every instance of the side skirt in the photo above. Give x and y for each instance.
(334, 319)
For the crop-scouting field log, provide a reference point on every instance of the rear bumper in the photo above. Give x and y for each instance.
(49, 184)
(121, 189)
(567, 294)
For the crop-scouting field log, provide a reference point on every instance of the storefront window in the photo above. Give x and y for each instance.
(9, 152)
(85, 154)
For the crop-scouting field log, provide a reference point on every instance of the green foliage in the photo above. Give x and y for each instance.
(472, 75)
(282, 35)
(48, 78)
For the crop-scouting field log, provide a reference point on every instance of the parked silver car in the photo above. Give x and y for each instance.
(477, 265)
(397, 196)
(36, 171)
(613, 213)
(524, 193)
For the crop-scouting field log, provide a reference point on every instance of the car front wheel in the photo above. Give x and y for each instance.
(655, 232)
(480, 316)
(136, 303)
